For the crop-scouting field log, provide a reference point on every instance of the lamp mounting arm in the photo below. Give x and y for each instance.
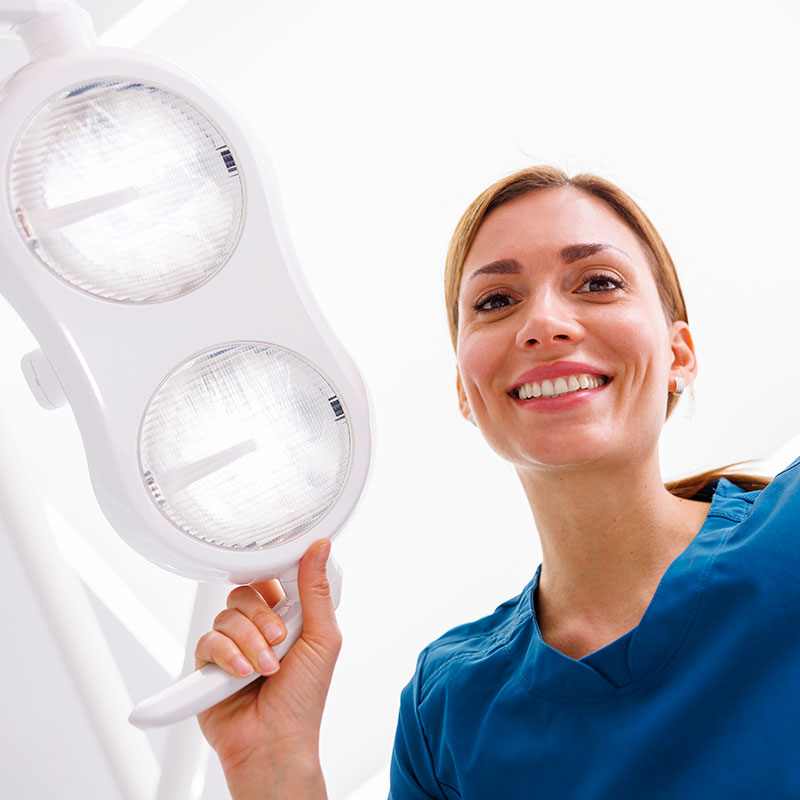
(48, 28)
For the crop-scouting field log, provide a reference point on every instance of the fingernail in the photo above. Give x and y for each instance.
(268, 662)
(242, 666)
(273, 632)
(324, 554)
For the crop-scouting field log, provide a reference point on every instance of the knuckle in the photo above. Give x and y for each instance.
(264, 617)
(238, 596)
(336, 640)
(329, 639)
(204, 642)
(221, 618)
(321, 587)
(336, 632)
(251, 641)
(216, 647)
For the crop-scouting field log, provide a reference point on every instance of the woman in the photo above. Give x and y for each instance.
(655, 653)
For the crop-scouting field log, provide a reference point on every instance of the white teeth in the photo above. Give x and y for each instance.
(559, 386)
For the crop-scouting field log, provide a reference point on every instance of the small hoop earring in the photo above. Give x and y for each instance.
(680, 385)
(472, 420)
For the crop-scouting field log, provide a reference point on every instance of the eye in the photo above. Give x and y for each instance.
(493, 302)
(600, 282)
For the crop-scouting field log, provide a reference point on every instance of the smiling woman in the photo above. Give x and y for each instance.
(583, 302)
(654, 652)
(647, 244)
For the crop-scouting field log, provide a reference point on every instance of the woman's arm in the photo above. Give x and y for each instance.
(267, 735)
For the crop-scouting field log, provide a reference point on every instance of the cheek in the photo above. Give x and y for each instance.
(643, 336)
(646, 355)
(480, 359)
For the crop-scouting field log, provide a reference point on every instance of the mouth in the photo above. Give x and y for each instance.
(558, 387)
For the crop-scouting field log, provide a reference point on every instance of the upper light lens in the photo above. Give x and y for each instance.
(126, 191)
(245, 446)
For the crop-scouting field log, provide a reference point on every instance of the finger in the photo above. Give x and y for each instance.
(244, 633)
(271, 591)
(216, 648)
(319, 618)
(252, 604)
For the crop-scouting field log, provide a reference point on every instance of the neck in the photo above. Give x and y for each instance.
(607, 536)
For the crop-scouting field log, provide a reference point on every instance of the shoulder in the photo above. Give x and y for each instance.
(731, 500)
(779, 500)
(761, 524)
(488, 644)
(470, 662)
(789, 476)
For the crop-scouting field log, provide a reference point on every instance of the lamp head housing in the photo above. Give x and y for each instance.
(225, 427)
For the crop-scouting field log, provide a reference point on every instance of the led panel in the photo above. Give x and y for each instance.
(126, 191)
(245, 446)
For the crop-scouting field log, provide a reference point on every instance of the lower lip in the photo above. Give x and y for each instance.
(559, 403)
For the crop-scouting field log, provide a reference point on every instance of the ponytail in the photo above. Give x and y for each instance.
(695, 485)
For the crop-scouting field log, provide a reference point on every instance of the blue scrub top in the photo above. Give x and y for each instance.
(700, 700)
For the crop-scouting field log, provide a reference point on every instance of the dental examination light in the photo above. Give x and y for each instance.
(143, 244)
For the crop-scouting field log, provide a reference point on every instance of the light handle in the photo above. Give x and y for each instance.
(209, 685)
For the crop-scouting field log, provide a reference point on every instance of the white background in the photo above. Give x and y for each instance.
(383, 121)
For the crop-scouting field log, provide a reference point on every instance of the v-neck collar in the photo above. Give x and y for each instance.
(626, 664)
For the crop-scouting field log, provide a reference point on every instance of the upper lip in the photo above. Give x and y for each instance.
(559, 369)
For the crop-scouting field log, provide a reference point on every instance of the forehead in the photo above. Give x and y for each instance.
(542, 223)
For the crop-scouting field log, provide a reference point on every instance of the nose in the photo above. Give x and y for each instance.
(549, 320)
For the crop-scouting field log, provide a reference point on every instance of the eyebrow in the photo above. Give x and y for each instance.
(575, 252)
(504, 266)
(569, 254)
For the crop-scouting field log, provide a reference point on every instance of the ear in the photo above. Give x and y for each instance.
(684, 359)
(463, 403)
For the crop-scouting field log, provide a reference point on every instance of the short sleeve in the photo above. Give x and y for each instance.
(412, 775)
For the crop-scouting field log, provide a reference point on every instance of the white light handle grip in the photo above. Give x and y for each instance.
(209, 685)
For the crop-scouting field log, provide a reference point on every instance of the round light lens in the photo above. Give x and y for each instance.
(126, 191)
(245, 446)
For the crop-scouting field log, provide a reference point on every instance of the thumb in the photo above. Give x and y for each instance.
(319, 619)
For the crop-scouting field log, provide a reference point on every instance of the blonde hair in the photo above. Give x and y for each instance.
(539, 178)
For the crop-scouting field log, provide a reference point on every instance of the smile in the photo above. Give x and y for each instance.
(557, 387)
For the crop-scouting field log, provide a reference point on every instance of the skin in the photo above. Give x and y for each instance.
(267, 735)
(590, 471)
(608, 528)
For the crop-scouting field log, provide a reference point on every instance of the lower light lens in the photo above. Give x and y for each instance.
(245, 446)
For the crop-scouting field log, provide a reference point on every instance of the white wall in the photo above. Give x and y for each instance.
(383, 122)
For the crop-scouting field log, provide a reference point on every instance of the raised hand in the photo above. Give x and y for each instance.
(267, 735)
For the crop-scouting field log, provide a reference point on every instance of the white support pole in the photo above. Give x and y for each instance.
(186, 753)
(73, 624)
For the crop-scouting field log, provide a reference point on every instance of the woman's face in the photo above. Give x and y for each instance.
(558, 302)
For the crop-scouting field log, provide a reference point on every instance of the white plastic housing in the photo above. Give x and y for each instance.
(110, 357)
(47, 27)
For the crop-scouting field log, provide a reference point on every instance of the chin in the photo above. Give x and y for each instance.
(575, 451)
